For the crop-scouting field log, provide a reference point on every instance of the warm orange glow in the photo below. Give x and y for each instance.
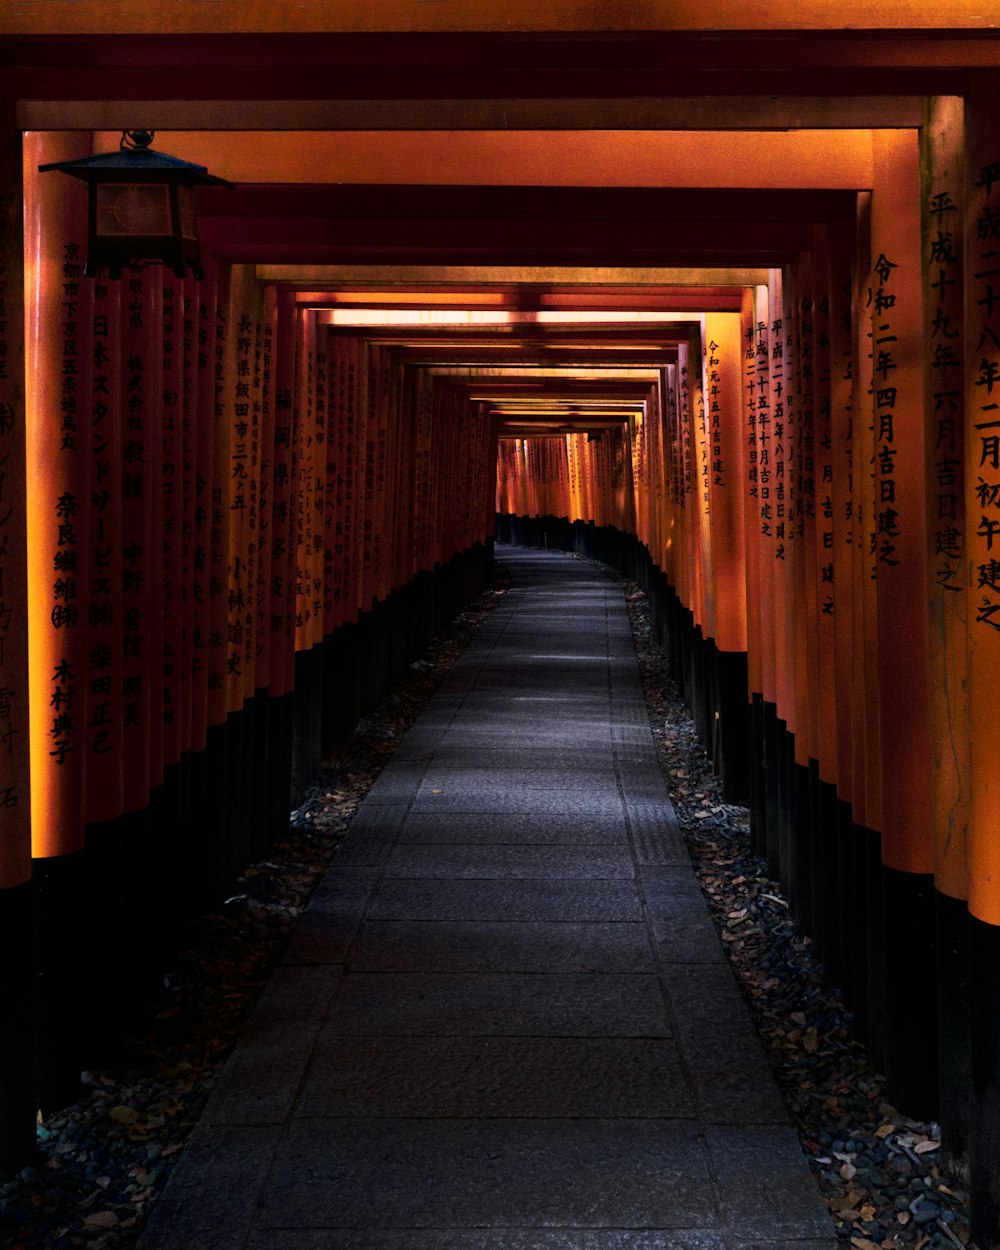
(460, 317)
(319, 278)
(57, 482)
(564, 158)
(314, 16)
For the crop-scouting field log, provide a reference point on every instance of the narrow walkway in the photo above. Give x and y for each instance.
(505, 1021)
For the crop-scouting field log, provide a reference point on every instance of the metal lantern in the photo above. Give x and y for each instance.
(141, 207)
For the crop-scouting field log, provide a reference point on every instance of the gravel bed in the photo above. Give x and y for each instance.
(103, 1160)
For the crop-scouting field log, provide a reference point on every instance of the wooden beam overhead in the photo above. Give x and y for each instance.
(455, 277)
(131, 17)
(573, 113)
(806, 159)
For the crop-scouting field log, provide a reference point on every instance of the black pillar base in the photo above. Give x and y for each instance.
(59, 920)
(734, 725)
(911, 1037)
(18, 1103)
(308, 725)
(954, 1053)
(984, 1161)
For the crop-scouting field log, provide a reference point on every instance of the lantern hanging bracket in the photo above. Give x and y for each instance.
(141, 208)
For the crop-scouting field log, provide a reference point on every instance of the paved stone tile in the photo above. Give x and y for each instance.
(509, 828)
(460, 946)
(664, 883)
(370, 835)
(490, 1174)
(377, 819)
(420, 743)
(460, 753)
(515, 900)
(498, 1239)
(713, 1022)
(332, 917)
(261, 1078)
(765, 1186)
(629, 714)
(631, 736)
(397, 783)
(687, 936)
(497, 774)
(640, 754)
(739, 1096)
(680, 923)
(642, 784)
(491, 1077)
(655, 835)
(362, 850)
(533, 730)
(511, 862)
(498, 1004)
(822, 1243)
(600, 804)
(478, 735)
(210, 1199)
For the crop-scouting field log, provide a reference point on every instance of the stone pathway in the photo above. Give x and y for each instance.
(505, 1021)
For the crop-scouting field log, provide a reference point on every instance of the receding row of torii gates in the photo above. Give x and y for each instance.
(226, 523)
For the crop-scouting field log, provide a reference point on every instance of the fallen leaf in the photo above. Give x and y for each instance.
(885, 1130)
(811, 1040)
(925, 1147)
(123, 1114)
(101, 1219)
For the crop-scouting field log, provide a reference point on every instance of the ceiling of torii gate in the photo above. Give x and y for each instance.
(486, 182)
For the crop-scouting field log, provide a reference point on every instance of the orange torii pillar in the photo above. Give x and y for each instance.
(681, 546)
(142, 614)
(223, 713)
(753, 332)
(17, 1101)
(309, 452)
(807, 685)
(339, 707)
(942, 195)
(866, 746)
(207, 739)
(58, 483)
(240, 400)
(702, 605)
(849, 957)
(776, 474)
(280, 588)
(106, 825)
(897, 529)
(726, 489)
(824, 812)
(982, 559)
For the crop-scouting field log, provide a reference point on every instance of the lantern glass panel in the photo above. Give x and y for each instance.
(140, 209)
(189, 223)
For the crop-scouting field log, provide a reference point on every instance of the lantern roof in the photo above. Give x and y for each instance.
(137, 165)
